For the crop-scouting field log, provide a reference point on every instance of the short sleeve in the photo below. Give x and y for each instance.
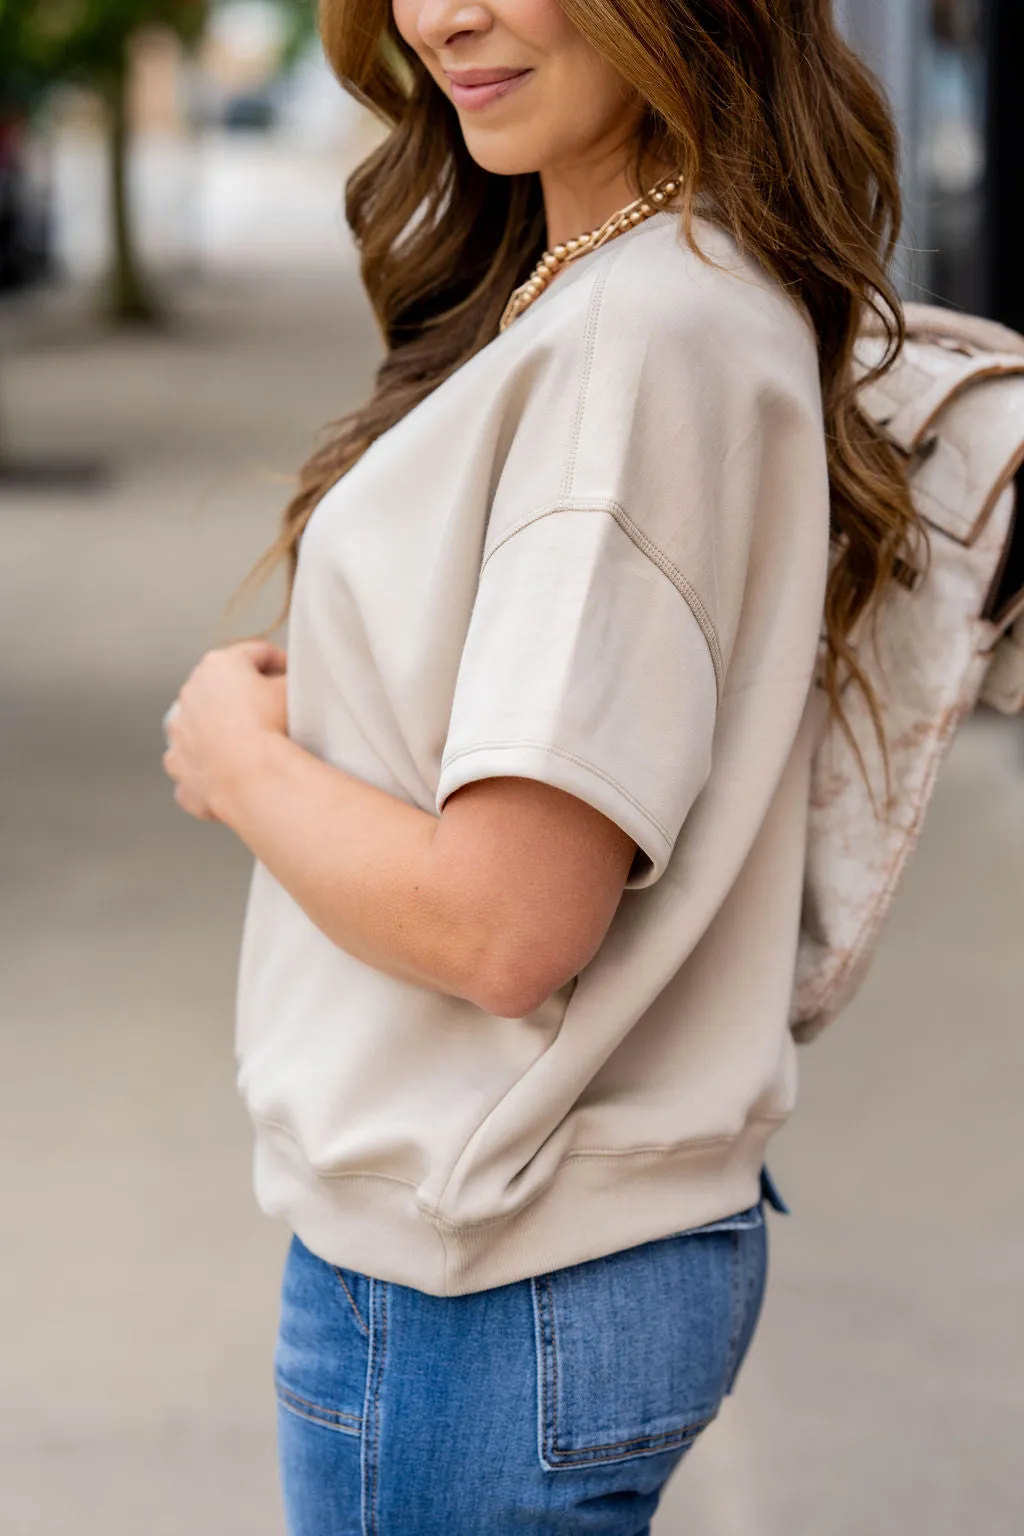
(666, 408)
(585, 668)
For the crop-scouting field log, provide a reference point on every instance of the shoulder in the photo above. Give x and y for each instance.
(652, 283)
(654, 357)
(702, 339)
(710, 288)
(714, 316)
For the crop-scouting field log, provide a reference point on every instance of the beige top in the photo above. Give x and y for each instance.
(595, 556)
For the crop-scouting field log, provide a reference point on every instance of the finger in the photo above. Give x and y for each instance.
(189, 803)
(266, 658)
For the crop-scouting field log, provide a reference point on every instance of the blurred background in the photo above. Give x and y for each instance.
(179, 312)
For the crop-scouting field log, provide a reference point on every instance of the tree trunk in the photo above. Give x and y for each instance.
(129, 296)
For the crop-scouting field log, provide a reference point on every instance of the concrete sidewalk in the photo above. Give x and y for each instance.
(884, 1394)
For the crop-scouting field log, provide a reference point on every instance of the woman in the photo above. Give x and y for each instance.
(527, 796)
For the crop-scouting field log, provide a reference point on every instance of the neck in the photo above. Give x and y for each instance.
(579, 198)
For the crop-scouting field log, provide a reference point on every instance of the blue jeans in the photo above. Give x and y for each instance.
(560, 1403)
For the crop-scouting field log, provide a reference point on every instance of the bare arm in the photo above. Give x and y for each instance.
(500, 900)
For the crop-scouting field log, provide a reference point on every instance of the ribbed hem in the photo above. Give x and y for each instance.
(598, 1203)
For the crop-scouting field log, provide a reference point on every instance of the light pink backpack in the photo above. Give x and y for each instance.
(954, 405)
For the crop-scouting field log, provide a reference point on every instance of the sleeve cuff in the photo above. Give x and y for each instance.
(565, 770)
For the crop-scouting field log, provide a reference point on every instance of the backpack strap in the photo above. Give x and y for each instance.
(909, 425)
(951, 327)
(964, 408)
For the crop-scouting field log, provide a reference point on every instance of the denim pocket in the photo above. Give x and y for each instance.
(322, 1352)
(636, 1351)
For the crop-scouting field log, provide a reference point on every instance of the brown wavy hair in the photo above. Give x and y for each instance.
(774, 119)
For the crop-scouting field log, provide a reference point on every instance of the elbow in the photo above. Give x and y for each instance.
(518, 984)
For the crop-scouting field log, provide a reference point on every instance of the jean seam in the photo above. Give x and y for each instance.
(363, 1329)
(549, 1366)
(738, 1289)
(624, 1450)
(371, 1415)
(317, 1413)
(353, 1429)
(752, 1279)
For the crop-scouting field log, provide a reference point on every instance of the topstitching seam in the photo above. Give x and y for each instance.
(607, 1154)
(595, 1154)
(328, 1413)
(736, 1326)
(573, 757)
(351, 1300)
(338, 1425)
(371, 1413)
(687, 591)
(589, 347)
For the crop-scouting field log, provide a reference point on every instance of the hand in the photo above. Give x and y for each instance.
(234, 698)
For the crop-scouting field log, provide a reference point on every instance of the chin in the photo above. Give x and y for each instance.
(502, 158)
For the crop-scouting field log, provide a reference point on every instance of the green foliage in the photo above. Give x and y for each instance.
(27, 55)
(300, 27)
(82, 41)
(85, 40)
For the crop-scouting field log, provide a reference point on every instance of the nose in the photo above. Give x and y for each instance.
(440, 22)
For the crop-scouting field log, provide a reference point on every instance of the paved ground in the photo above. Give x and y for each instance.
(885, 1391)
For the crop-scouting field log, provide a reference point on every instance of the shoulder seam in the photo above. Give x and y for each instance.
(647, 547)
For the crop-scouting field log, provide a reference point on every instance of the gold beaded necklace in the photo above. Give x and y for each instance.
(561, 255)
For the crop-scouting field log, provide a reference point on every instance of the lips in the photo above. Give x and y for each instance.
(478, 87)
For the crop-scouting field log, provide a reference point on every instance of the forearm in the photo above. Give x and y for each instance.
(361, 864)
